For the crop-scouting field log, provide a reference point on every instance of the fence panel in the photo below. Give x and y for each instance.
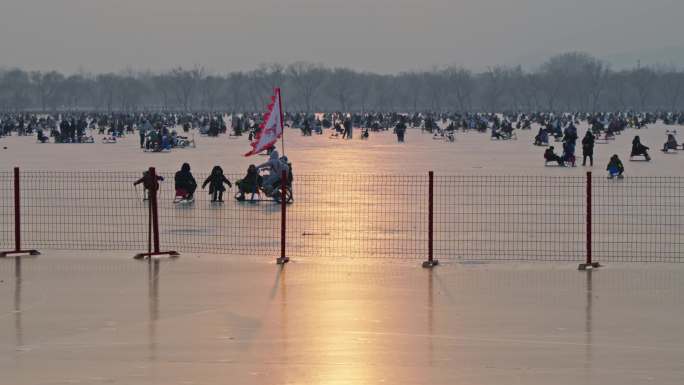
(380, 216)
(509, 218)
(6, 210)
(82, 210)
(638, 219)
(231, 227)
(359, 216)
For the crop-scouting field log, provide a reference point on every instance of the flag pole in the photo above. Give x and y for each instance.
(282, 125)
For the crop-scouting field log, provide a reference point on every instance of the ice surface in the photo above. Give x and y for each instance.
(73, 319)
(69, 318)
(362, 216)
(472, 154)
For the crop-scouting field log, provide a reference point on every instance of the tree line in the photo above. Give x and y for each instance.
(572, 81)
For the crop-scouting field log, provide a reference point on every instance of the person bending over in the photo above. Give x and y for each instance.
(615, 167)
(185, 183)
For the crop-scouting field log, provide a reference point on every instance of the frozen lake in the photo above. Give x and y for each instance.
(69, 318)
(359, 198)
(471, 154)
(100, 317)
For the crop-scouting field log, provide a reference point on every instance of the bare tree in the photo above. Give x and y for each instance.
(269, 76)
(47, 87)
(436, 88)
(237, 87)
(672, 86)
(129, 90)
(596, 78)
(211, 86)
(340, 85)
(570, 81)
(14, 89)
(494, 86)
(307, 78)
(75, 89)
(163, 84)
(106, 89)
(642, 79)
(185, 83)
(460, 81)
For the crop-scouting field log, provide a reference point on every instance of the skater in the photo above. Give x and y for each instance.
(142, 132)
(185, 183)
(639, 149)
(215, 182)
(588, 149)
(615, 167)
(400, 130)
(347, 124)
(148, 183)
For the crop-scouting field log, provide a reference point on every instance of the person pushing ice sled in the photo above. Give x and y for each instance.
(215, 182)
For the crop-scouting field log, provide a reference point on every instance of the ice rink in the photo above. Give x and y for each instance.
(72, 318)
(472, 153)
(103, 318)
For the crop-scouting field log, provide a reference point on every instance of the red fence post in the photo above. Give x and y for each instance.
(17, 222)
(589, 262)
(152, 184)
(283, 215)
(431, 261)
(17, 211)
(155, 211)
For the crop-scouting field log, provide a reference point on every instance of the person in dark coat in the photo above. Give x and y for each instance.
(615, 167)
(400, 130)
(347, 124)
(639, 149)
(185, 183)
(149, 183)
(215, 182)
(550, 156)
(250, 183)
(41, 136)
(588, 148)
(671, 143)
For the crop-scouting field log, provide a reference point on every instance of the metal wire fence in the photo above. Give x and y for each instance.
(6, 210)
(638, 219)
(510, 218)
(380, 216)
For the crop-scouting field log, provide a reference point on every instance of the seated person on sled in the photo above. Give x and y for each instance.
(550, 156)
(276, 167)
(542, 138)
(185, 183)
(639, 149)
(250, 183)
(671, 143)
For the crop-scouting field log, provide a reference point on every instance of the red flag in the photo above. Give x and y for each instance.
(271, 129)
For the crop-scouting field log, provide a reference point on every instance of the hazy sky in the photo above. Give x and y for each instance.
(380, 35)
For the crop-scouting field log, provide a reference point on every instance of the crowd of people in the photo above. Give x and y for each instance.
(163, 131)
